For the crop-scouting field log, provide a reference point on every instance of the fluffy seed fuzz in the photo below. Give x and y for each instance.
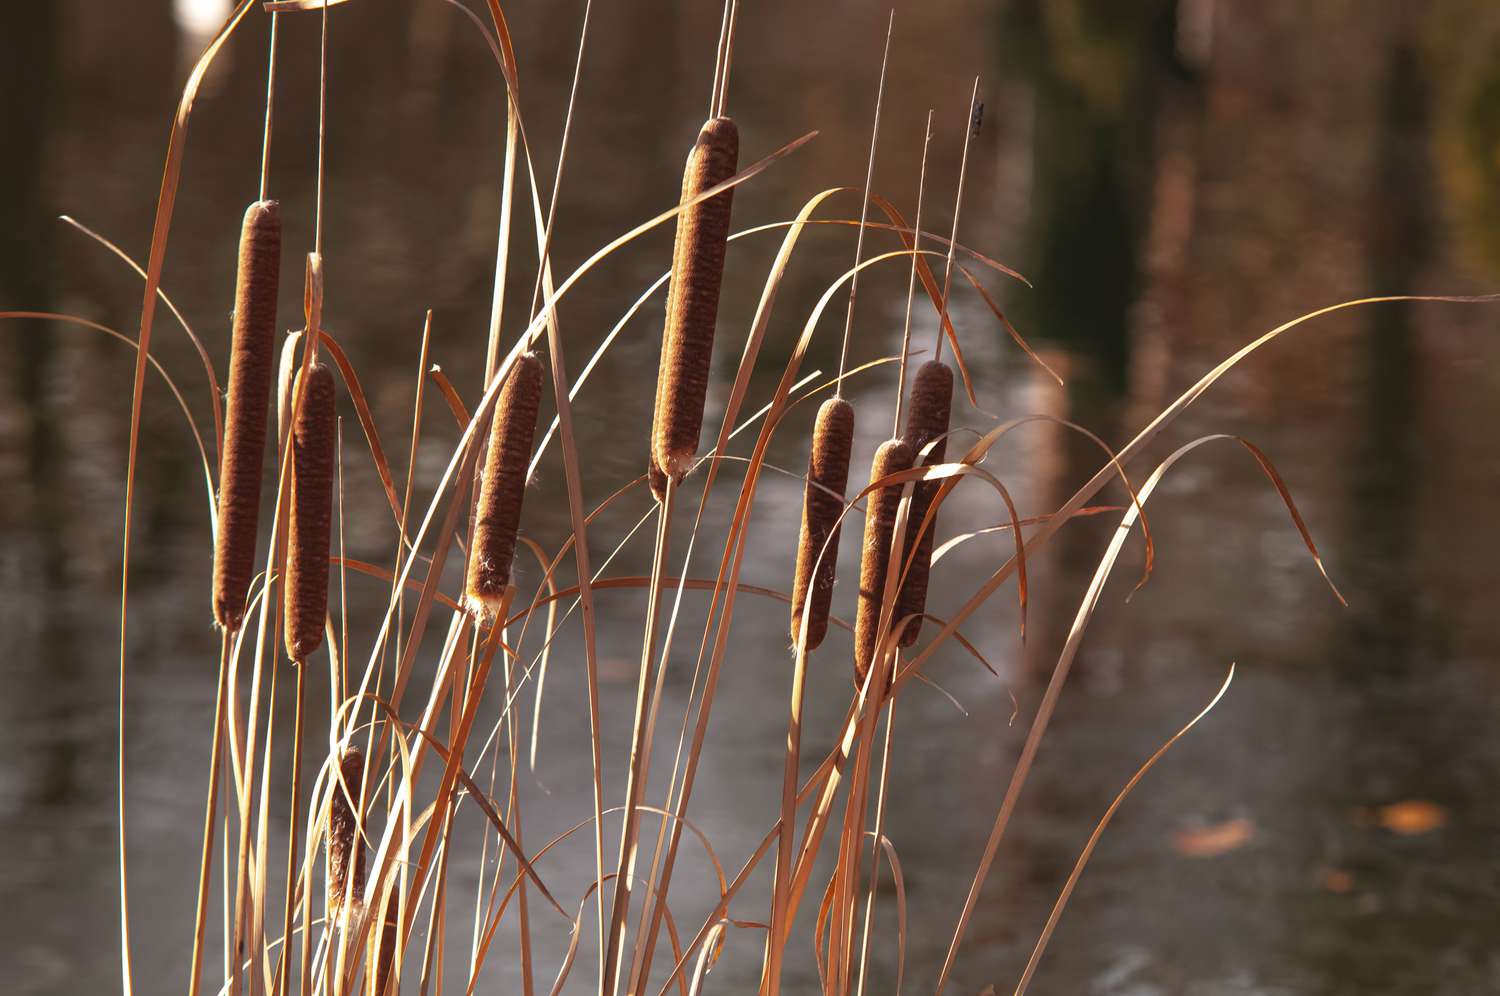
(927, 420)
(313, 436)
(693, 299)
(251, 357)
(502, 488)
(822, 503)
(893, 456)
(346, 848)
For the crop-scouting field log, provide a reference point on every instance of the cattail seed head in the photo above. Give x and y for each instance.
(251, 357)
(822, 504)
(503, 487)
(346, 847)
(927, 420)
(893, 456)
(693, 299)
(309, 526)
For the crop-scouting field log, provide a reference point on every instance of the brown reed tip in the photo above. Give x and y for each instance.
(893, 456)
(822, 505)
(309, 526)
(502, 488)
(252, 344)
(345, 854)
(693, 299)
(926, 420)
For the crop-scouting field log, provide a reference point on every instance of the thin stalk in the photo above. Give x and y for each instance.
(265, 142)
(864, 211)
(885, 773)
(635, 786)
(206, 863)
(958, 201)
(911, 280)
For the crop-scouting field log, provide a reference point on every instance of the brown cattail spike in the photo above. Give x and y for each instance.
(893, 456)
(503, 487)
(926, 420)
(693, 299)
(822, 504)
(308, 532)
(250, 361)
(346, 846)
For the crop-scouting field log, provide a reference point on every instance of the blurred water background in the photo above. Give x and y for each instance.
(1174, 176)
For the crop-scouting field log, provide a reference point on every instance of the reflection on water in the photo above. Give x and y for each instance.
(1174, 177)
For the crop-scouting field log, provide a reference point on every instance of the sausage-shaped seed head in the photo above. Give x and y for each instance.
(822, 504)
(893, 456)
(693, 299)
(346, 848)
(314, 431)
(502, 489)
(927, 420)
(252, 349)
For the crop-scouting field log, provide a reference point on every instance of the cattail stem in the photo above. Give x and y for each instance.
(252, 346)
(502, 488)
(310, 523)
(927, 423)
(822, 509)
(284, 963)
(958, 203)
(206, 862)
(911, 280)
(693, 300)
(893, 456)
(864, 210)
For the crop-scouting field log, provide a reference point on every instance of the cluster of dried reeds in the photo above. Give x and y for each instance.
(402, 766)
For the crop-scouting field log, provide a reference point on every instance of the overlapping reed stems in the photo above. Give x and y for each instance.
(412, 855)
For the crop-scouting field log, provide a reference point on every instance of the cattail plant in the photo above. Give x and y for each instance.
(926, 422)
(822, 505)
(346, 849)
(502, 488)
(693, 300)
(250, 360)
(893, 456)
(313, 432)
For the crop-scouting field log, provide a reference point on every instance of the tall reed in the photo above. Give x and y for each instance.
(822, 506)
(693, 300)
(252, 346)
(893, 456)
(926, 422)
(502, 488)
(314, 432)
(345, 855)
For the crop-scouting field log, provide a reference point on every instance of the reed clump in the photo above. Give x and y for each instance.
(927, 422)
(345, 856)
(693, 300)
(252, 345)
(502, 488)
(314, 432)
(822, 506)
(893, 456)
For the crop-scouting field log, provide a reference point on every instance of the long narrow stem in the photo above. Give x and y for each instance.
(864, 211)
(265, 143)
(911, 280)
(635, 786)
(206, 862)
(958, 201)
